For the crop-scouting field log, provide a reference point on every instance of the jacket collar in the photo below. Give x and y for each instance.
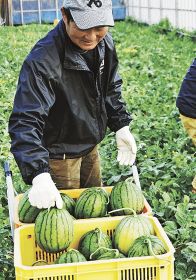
(73, 59)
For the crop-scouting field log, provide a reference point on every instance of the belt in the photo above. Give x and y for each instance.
(61, 156)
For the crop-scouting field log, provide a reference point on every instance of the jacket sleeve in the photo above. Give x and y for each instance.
(33, 99)
(186, 100)
(118, 117)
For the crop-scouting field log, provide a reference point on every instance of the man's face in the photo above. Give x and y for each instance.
(85, 39)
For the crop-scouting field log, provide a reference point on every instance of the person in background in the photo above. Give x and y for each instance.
(68, 93)
(186, 103)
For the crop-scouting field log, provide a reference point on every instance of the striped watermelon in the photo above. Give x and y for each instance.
(69, 203)
(91, 241)
(26, 212)
(92, 203)
(54, 229)
(146, 246)
(130, 228)
(126, 195)
(110, 254)
(40, 263)
(71, 256)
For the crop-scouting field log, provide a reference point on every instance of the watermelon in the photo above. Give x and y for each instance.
(126, 195)
(91, 241)
(40, 263)
(71, 256)
(26, 212)
(92, 203)
(130, 228)
(54, 229)
(146, 246)
(110, 254)
(69, 203)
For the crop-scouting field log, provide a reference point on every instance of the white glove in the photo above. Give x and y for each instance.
(126, 145)
(44, 193)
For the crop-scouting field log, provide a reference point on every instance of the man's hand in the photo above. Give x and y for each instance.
(44, 193)
(126, 145)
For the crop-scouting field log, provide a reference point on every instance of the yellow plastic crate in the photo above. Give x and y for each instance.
(26, 252)
(74, 193)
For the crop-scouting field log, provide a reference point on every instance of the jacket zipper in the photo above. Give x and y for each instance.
(99, 102)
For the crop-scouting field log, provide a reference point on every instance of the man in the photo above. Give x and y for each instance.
(186, 103)
(68, 92)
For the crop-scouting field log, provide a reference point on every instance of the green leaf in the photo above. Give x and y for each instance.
(171, 229)
(190, 251)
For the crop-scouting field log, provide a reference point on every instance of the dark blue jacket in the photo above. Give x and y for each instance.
(60, 107)
(186, 100)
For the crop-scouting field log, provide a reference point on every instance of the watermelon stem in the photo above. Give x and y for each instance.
(108, 249)
(115, 250)
(96, 251)
(72, 249)
(129, 179)
(100, 233)
(125, 208)
(148, 241)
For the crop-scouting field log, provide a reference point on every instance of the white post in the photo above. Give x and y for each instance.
(161, 10)
(21, 10)
(176, 13)
(39, 11)
(140, 11)
(149, 12)
(56, 7)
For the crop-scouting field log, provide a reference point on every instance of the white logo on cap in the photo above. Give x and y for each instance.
(97, 3)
